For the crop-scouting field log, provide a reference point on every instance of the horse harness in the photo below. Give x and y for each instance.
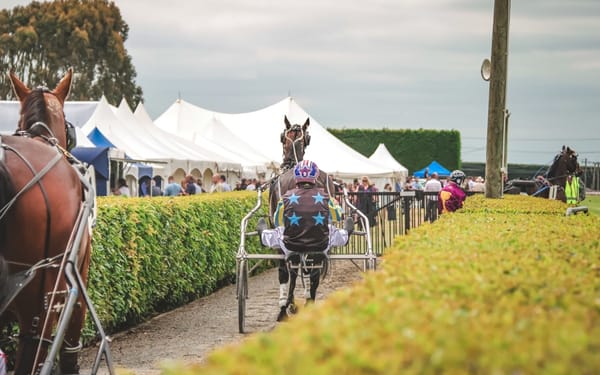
(304, 136)
(39, 175)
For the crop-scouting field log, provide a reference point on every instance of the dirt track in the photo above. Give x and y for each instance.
(190, 332)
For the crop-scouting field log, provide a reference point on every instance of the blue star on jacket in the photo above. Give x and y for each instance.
(318, 198)
(294, 198)
(319, 219)
(294, 219)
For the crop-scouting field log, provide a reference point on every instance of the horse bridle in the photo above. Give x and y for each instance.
(304, 137)
(70, 130)
(569, 173)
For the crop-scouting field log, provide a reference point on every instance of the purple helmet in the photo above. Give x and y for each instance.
(306, 171)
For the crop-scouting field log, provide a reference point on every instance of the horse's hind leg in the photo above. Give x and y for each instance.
(30, 326)
(71, 347)
(320, 264)
(69, 354)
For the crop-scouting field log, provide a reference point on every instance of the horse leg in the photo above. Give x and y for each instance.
(292, 286)
(30, 327)
(284, 277)
(71, 346)
(315, 278)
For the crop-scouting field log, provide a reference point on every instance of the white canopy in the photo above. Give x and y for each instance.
(261, 129)
(383, 157)
(218, 143)
(123, 130)
(76, 113)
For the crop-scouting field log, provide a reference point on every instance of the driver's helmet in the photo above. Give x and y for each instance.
(458, 177)
(306, 171)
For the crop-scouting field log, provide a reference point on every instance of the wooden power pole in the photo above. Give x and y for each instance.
(497, 100)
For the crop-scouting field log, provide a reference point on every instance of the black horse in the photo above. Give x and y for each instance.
(565, 165)
(295, 139)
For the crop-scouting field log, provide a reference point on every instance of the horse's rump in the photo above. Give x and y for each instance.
(48, 207)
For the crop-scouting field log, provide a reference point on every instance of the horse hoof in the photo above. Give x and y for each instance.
(293, 309)
(282, 316)
(309, 301)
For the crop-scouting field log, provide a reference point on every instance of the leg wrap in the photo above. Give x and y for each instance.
(283, 294)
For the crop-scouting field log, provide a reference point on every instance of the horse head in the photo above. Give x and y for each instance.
(571, 161)
(42, 111)
(295, 139)
(565, 163)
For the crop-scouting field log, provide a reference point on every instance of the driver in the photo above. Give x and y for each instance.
(304, 217)
(452, 196)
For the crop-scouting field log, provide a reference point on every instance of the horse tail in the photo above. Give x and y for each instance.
(7, 192)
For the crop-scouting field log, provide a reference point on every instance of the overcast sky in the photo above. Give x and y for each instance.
(398, 64)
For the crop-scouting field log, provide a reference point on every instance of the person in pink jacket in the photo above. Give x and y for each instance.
(452, 196)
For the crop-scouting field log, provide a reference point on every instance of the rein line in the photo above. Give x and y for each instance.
(36, 178)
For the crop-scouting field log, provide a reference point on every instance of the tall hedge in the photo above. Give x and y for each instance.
(414, 149)
(506, 286)
(152, 254)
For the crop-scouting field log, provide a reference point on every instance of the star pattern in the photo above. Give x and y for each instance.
(318, 198)
(294, 219)
(319, 219)
(294, 199)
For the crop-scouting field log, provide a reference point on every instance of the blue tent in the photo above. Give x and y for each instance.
(99, 139)
(98, 157)
(434, 166)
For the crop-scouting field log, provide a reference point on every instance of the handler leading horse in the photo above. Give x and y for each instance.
(40, 199)
(295, 139)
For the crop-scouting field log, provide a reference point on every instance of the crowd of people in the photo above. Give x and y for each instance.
(367, 203)
(190, 185)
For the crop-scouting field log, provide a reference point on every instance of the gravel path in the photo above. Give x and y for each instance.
(192, 331)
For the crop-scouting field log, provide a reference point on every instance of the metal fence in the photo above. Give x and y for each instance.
(390, 214)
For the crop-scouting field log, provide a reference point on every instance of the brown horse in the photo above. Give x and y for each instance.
(295, 139)
(565, 164)
(40, 200)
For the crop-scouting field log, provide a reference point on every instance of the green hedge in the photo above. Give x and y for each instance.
(505, 286)
(150, 255)
(414, 149)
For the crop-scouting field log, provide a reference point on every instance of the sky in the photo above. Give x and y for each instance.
(396, 64)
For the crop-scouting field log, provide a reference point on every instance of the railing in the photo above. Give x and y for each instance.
(390, 214)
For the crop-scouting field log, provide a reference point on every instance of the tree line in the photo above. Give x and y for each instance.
(40, 41)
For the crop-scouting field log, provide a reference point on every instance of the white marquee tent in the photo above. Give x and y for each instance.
(124, 131)
(261, 129)
(383, 157)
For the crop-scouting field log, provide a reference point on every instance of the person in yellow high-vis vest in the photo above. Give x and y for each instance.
(572, 189)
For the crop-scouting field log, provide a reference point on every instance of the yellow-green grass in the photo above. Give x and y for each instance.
(593, 204)
(508, 286)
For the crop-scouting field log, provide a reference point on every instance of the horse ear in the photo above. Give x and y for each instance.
(306, 124)
(287, 122)
(19, 88)
(63, 88)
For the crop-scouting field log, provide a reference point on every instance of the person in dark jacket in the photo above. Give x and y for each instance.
(304, 217)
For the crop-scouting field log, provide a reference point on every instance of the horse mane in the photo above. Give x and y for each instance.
(33, 110)
(552, 170)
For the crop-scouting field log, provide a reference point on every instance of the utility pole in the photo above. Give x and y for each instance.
(497, 100)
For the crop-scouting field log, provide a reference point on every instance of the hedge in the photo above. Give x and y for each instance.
(151, 255)
(414, 149)
(506, 286)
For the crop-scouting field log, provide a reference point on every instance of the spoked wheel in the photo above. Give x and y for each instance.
(242, 292)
